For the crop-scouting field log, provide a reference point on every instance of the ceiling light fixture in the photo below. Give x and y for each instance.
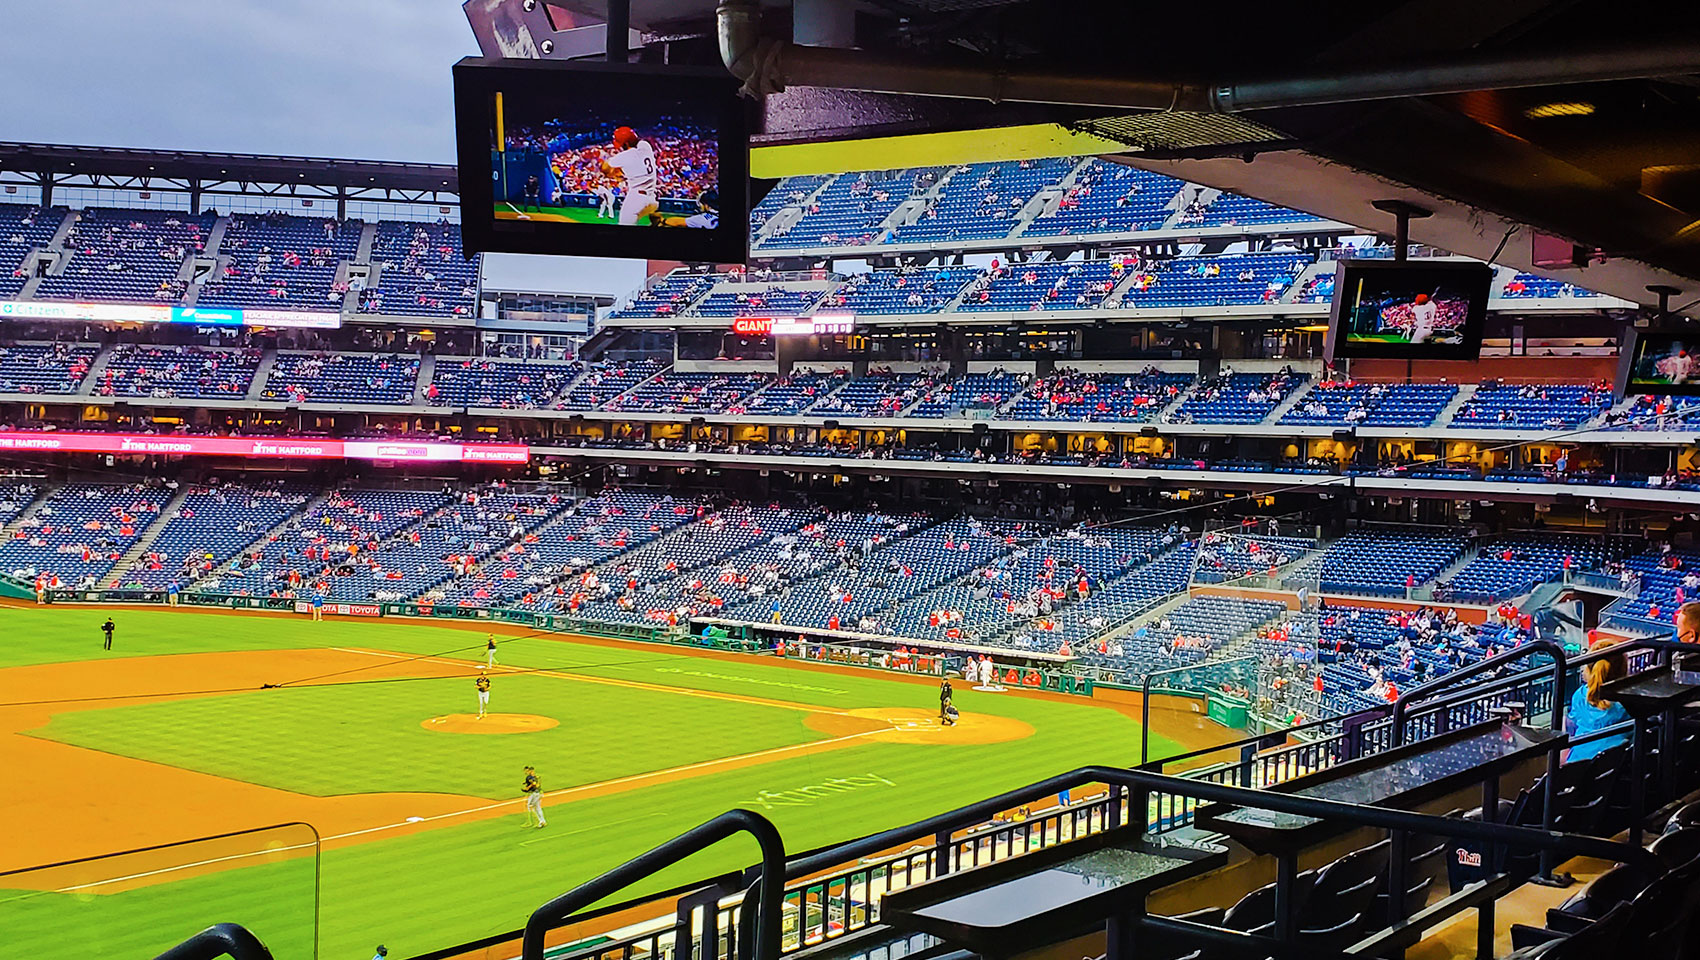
(1572, 109)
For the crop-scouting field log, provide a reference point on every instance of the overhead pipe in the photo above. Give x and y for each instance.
(767, 65)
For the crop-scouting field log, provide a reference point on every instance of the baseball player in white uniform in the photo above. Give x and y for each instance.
(604, 201)
(635, 164)
(1423, 313)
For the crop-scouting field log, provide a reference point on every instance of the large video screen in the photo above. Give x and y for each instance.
(1660, 363)
(601, 160)
(1408, 310)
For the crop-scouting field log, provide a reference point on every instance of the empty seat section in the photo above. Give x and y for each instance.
(602, 382)
(1051, 285)
(795, 393)
(772, 301)
(212, 525)
(1504, 406)
(79, 532)
(123, 254)
(282, 261)
(1222, 281)
(421, 271)
(1108, 197)
(513, 384)
(668, 296)
(135, 370)
(1132, 397)
(851, 208)
(44, 368)
(905, 290)
(342, 378)
(983, 200)
(1237, 398)
(1340, 404)
(675, 392)
(22, 229)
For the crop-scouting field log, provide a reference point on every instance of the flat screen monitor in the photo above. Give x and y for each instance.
(602, 159)
(1659, 363)
(1408, 310)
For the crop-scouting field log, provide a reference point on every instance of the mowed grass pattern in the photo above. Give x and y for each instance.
(477, 877)
(366, 737)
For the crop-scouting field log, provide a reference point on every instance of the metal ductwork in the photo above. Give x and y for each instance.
(768, 65)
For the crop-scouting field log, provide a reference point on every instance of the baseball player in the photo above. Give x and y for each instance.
(604, 201)
(707, 216)
(107, 629)
(489, 650)
(483, 684)
(634, 162)
(533, 790)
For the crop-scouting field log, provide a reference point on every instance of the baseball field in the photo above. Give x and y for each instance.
(201, 723)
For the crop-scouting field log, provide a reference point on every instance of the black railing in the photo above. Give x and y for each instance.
(219, 940)
(762, 910)
(830, 899)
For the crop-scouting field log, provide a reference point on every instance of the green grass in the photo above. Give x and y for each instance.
(329, 740)
(470, 879)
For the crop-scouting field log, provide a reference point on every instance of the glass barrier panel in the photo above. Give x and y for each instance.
(139, 903)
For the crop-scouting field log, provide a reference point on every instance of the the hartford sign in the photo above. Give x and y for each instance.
(267, 447)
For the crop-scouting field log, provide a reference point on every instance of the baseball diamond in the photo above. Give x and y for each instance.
(201, 723)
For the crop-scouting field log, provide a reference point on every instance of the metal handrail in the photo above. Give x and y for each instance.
(1143, 781)
(219, 940)
(770, 881)
(1520, 652)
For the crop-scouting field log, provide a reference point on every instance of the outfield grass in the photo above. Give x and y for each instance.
(467, 879)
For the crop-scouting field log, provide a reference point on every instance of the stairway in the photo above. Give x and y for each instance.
(97, 369)
(427, 373)
(1466, 392)
(29, 512)
(1312, 270)
(262, 373)
(145, 542)
(313, 503)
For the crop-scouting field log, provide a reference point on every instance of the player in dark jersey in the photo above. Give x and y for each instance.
(483, 684)
(533, 790)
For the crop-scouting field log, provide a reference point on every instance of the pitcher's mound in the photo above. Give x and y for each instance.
(490, 723)
(911, 725)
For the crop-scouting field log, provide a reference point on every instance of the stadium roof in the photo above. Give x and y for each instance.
(210, 168)
(1516, 117)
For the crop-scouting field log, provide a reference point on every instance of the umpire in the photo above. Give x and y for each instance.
(107, 629)
(944, 696)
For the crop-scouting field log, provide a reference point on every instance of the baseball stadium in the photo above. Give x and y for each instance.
(1145, 491)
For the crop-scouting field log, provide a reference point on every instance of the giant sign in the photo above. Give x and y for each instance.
(792, 326)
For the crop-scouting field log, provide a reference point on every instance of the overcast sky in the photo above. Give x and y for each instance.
(360, 79)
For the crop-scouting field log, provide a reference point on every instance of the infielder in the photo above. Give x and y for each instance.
(483, 684)
(533, 790)
(489, 650)
(634, 163)
(604, 201)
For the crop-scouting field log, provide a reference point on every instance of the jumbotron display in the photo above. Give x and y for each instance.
(601, 160)
(1416, 311)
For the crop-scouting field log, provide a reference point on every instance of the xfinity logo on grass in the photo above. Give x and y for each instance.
(803, 796)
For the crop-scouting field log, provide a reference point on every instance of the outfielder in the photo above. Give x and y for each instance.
(533, 790)
(483, 684)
